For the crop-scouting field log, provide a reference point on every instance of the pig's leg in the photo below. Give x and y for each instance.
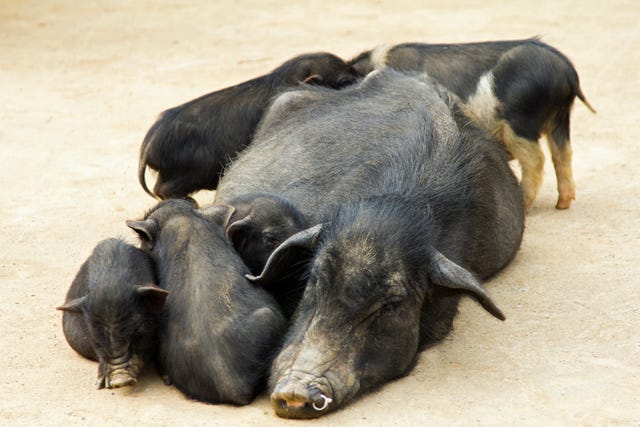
(530, 157)
(77, 334)
(561, 154)
(255, 336)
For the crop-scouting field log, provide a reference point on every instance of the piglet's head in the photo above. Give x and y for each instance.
(323, 69)
(120, 328)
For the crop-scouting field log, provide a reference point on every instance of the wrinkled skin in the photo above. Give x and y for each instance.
(358, 304)
(412, 204)
(358, 324)
(111, 312)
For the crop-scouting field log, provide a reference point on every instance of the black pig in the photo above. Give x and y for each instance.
(516, 89)
(256, 224)
(412, 202)
(111, 311)
(189, 145)
(218, 332)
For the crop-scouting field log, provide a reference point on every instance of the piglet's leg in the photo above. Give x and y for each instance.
(561, 154)
(564, 175)
(531, 159)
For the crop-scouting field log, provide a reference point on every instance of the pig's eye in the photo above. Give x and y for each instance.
(270, 239)
(344, 81)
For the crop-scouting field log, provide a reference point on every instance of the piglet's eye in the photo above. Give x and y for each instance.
(270, 238)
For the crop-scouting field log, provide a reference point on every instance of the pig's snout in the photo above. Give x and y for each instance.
(122, 379)
(120, 373)
(299, 401)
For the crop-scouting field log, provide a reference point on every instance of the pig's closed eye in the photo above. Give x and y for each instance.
(270, 238)
(344, 81)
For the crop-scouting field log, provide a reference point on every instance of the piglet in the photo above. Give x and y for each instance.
(258, 223)
(219, 333)
(111, 312)
(191, 144)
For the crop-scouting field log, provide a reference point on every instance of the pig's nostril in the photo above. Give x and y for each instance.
(293, 405)
(289, 404)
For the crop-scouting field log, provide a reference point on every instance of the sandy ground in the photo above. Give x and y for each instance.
(80, 83)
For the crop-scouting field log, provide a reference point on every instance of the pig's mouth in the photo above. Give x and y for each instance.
(119, 372)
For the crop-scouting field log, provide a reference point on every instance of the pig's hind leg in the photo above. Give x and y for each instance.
(76, 332)
(253, 340)
(529, 155)
(561, 154)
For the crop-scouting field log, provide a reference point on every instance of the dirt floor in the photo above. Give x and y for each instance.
(80, 84)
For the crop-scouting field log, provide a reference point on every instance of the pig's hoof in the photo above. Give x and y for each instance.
(564, 202)
(566, 194)
(100, 383)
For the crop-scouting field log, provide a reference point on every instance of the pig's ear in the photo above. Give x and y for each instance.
(446, 273)
(153, 296)
(218, 214)
(75, 305)
(305, 240)
(237, 231)
(313, 79)
(146, 230)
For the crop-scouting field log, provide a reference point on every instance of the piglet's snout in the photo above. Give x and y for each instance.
(123, 371)
(122, 379)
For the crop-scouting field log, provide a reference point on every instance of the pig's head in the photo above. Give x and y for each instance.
(256, 224)
(357, 325)
(148, 227)
(323, 69)
(120, 312)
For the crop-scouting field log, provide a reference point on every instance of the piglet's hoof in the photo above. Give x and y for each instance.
(564, 202)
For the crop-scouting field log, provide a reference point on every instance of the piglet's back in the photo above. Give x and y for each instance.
(218, 331)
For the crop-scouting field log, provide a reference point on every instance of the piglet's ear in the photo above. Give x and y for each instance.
(277, 264)
(313, 79)
(237, 231)
(446, 273)
(75, 305)
(153, 296)
(218, 214)
(146, 230)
